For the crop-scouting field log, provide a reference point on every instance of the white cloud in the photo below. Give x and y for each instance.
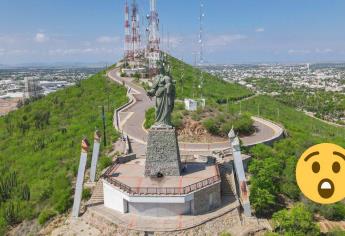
(260, 30)
(79, 51)
(5, 39)
(326, 50)
(107, 39)
(41, 38)
(224, 40)
(309, 51)
(298, 51)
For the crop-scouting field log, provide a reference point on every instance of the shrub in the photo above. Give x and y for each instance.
(63, 203)
(336, 232)
(3, 225)
(177, 120)
(244, 124)
(262, 201)
(224, 234)
(297, 221)
(137, 76)
(179, 106)
(211, 126)
(333, 212)
(150, 118)
(196, 116)
(86, 194)
(11, 213)
(46, 215)
(289, 185)
(26, 193)
(271, 234)
(104, 162)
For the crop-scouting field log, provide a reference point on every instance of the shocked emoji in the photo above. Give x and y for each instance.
(320, 173)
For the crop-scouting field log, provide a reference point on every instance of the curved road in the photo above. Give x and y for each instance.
(132, 117)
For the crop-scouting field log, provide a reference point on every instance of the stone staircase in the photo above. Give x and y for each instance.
(228, 186)
(97, 197)
(326, 225)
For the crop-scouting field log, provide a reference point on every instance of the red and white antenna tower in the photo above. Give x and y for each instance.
(153, 46)
(135, 37)
(127, 47)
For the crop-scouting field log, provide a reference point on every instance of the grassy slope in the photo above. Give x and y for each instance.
(303, 130)
(301, 127)
(49, 170)
(213, 90)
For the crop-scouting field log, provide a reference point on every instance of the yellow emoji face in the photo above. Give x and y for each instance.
(320, 173)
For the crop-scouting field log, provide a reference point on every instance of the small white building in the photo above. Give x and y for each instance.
(190, 104)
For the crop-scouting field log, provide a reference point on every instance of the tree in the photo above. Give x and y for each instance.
(262, 201)
(334, 211)
(295, 222)
(289, 185)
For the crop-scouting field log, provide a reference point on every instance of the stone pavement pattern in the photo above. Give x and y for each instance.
(163, 153)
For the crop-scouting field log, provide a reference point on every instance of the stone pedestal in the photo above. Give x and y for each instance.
(163, 154)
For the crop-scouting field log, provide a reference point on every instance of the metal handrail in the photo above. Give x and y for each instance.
(161, 190)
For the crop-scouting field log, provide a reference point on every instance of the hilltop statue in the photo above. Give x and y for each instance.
(163, 89)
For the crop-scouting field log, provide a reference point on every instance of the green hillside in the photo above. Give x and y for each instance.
(40, 147)
(273, 184)
(214, 90)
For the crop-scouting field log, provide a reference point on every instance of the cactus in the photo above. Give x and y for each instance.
(26, 193)
(6, 185)
(12, 180)
(11, 213)
(4, 190)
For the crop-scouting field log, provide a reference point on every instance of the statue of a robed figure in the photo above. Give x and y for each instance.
(163, 153)
(163, 89)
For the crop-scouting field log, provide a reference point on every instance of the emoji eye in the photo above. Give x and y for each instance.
(316, 167)
(336, 167)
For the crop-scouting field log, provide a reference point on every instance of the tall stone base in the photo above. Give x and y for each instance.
(163, 154)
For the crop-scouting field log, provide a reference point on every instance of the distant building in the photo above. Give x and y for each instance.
(32, 88)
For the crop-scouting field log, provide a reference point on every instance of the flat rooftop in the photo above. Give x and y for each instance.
(131, 176)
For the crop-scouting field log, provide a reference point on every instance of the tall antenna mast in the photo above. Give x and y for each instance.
(201, 33)
(153, 47)
(201, 45)
(135, 37)
(127, 45)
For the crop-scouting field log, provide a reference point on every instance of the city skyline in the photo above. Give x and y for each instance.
(235, 31)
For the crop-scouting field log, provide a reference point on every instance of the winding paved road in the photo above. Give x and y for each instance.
(131, 120)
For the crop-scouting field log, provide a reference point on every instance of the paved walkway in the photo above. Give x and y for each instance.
(131, 120)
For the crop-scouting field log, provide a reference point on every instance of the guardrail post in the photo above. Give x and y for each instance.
(80, 178)
(95, 155)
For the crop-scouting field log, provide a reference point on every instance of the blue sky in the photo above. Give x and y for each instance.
(236, 31)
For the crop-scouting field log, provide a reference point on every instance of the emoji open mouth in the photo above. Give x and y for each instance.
(326, 188)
